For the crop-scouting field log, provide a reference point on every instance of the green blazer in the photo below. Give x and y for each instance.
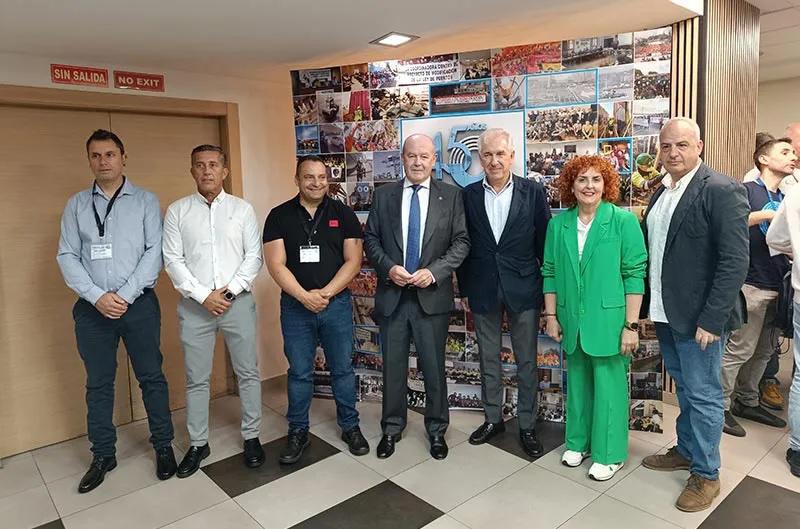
(590, 293)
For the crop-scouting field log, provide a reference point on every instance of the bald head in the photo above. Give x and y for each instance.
(416, 140)
(793, 132)
(680, 146)
(419, 155)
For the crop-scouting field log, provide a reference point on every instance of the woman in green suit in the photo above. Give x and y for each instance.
(594, 268)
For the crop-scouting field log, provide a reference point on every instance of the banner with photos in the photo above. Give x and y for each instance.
(604, 95)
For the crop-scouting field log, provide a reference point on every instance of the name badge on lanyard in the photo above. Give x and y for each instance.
(309, 254)
(101, 251)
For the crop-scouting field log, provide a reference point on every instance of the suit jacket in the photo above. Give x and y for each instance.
(445, 244)
(513, 262)
(590, 292)
(706, 255)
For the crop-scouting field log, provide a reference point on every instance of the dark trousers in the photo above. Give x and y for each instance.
(524, 330)
(98, 340)
(430, 336)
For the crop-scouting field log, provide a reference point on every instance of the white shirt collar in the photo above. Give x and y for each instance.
(683, 182)
(508, 185)
(218, 198)
(424, 184)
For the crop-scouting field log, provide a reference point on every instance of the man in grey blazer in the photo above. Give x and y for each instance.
(415, 237)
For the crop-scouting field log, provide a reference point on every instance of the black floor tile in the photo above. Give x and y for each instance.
(55, 524)
(234, 478)
(551, 434)
(384, 506)
(755, 503)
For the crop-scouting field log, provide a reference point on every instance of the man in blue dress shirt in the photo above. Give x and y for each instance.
(110, 255)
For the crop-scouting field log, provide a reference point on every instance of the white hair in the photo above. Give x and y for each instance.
(495, 132)
(688, 121)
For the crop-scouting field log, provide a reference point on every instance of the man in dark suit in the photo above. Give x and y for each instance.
(696, 227)
(415, 238)
(507, 220)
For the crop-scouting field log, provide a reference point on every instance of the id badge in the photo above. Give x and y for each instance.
(101, 251)
(309, 254)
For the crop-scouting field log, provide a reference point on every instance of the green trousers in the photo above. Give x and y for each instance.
(597, 406)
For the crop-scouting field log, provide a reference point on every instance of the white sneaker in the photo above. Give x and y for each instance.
(600, 472)
(573, 459)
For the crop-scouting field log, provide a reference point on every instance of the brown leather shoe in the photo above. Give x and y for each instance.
(698, 494)
(668, 462)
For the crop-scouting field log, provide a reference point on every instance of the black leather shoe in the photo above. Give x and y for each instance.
(166, 466)
(793, 458)
(295, 444)
(97, 472)
(356, 442)
(732, 426)
(191, 461)
(757, 414)
(438, 447)
(486, 431)
(530, 444)
(386, 446)
(253, 453)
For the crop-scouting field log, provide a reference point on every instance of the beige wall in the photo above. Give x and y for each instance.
(267, 144)
(778, 104)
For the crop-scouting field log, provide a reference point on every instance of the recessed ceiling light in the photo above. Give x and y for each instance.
(394, 39)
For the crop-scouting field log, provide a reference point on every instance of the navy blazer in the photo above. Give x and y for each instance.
(514, 262)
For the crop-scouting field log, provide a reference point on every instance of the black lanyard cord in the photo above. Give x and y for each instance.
(101, 226)
(310, 232)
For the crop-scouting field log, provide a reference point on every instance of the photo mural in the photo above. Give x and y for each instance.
(601, 95)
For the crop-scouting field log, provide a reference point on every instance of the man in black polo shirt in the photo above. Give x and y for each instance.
(749, 349)
(313, 249)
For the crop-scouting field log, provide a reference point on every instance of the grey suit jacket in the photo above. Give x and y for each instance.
(445, 244)
(706, 255)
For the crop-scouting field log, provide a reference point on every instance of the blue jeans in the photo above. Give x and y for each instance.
(697, 378)
(302, 332)
(794, 391)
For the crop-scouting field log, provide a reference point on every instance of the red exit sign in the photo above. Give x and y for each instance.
(138, 81)
(79, 75)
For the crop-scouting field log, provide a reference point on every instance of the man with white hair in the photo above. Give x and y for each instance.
(696, 229)
(501, 273)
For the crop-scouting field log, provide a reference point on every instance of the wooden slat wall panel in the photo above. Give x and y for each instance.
(730, 74)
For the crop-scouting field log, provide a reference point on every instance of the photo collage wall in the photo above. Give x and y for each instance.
(602, 95)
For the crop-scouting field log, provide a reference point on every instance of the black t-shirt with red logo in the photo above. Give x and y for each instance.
(334, 222)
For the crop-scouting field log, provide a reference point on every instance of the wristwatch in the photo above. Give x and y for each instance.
(632, 326)
(230, 296)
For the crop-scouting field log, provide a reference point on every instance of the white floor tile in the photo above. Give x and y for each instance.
(27, 509)
(322, 410)
(307, 492)
(445, 522)
(153, 506)
(466, 421)
(130, 475)
(608, 513)
(467, 471)
(19, 473)
(742, 454)
(533, 498)
(637, 450)
(273, 393)
(656, 492)
(226, 515)
(774, 468)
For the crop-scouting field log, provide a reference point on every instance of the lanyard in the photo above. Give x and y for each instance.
(311, 231)
(101, 226)
(769, 195)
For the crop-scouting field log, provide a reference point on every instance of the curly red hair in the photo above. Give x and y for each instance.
(579, 165)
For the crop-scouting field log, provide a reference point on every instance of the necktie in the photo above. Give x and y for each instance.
(412, 242)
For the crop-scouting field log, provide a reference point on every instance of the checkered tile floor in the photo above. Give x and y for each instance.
(476, 487)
